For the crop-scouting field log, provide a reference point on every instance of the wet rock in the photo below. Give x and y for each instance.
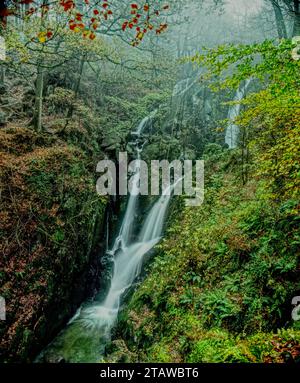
(53, 358)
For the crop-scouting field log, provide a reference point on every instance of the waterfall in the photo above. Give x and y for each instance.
(232, 131)
(86, 334)
(128, 255)
(154, 223)
(141, 126)
(144, 123)
(93, 321)
(127, 225)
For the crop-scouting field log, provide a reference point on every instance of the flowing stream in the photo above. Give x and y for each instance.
(87, 333)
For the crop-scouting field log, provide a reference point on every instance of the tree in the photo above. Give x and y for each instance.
(271, 117)
(89, 17)
(291, 8)
(47, 25)
(279, 18)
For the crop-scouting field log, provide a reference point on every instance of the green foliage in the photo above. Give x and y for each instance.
(219, 347)
(271, 119)
(224, 277)
(218, 306)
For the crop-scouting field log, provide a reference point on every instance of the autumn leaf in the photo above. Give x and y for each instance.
(42, 37)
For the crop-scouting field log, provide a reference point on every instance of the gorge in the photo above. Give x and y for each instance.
(101, 267)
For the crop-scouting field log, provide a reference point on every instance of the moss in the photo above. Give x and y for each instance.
(75, 343)
(50, 212)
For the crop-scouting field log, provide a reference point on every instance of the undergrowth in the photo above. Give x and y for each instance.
(221, 286)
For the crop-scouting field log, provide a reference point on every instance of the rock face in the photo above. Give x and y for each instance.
(51, 230)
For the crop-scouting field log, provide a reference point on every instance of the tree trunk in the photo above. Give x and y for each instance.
(2, 56)
(77, 85)
(296, 29)
(281, 28)
(38, 106)
(39, 86)
(2, 75)
(3, 14)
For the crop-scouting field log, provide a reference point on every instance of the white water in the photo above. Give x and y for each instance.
(232, 131)
(154, 223)
(85, 336)
(144, 123)
(123, 239)
(128, 255)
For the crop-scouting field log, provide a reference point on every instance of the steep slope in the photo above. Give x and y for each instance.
(221, 287)
(51, 220)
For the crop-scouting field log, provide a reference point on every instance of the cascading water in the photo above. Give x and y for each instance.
(84, 339)
(153, 226)
(232, 131)
(127, 224)
(128, 257)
